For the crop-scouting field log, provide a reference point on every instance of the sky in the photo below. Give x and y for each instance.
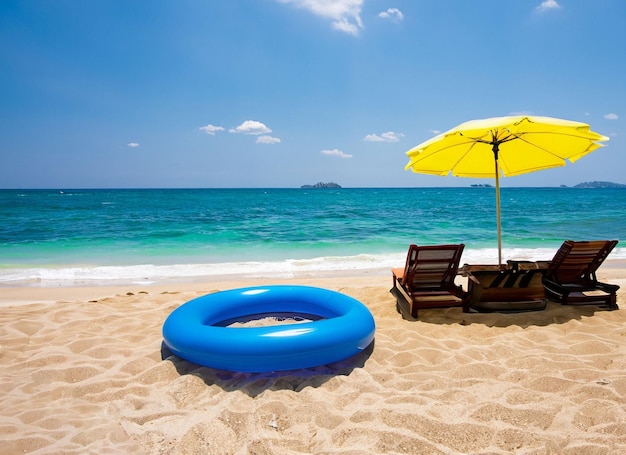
(283, 93)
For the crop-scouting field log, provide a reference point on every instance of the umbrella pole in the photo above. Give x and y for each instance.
(498, 206)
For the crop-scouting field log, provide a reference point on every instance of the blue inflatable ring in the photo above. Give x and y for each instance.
(197, 331)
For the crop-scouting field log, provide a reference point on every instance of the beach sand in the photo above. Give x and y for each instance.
(84, 371)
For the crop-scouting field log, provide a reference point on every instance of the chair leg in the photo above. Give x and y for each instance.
(613, 303)
(466, 302)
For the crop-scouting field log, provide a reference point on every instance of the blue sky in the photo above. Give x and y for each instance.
(281, 93)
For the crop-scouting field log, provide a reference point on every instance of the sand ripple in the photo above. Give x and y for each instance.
(92, 376)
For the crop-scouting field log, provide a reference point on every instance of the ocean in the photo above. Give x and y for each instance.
(119, 236)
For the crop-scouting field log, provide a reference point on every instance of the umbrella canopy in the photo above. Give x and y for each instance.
(504, 146)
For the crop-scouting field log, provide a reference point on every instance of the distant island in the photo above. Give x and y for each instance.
(321, 185)
(481, 185)
(599, 185)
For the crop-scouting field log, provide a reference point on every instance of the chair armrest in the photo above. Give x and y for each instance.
(607, 287)
(549, 283)
(397, 274)
(610, 288)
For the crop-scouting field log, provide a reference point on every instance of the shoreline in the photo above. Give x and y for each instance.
(84, 370)
(234, 278)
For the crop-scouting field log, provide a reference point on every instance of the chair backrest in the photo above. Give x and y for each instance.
(579, 261)
(432, 267)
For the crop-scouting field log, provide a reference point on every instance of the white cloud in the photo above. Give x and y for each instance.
(344, 25)
(133, 144)
(267, 140)
(611, 116)
(389, 136)
(251, 127)
(393, 14)
(435, 132)
(336, 152)
(345, 14)
(547, 5)
(211, 129)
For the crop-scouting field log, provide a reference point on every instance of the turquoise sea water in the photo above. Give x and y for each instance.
(50, 237)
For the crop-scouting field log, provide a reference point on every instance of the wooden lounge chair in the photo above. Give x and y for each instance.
(571, 275)
(427, 279)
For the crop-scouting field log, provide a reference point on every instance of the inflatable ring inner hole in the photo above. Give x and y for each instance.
(267, 319)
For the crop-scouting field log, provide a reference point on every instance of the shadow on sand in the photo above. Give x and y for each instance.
(554, 313)
(253, 384)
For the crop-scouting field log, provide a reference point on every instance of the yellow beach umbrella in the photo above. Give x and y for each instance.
(504, 146)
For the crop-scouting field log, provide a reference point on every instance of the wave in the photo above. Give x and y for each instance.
(362, 264)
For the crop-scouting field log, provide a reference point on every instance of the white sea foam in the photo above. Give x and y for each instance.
(323, 266)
